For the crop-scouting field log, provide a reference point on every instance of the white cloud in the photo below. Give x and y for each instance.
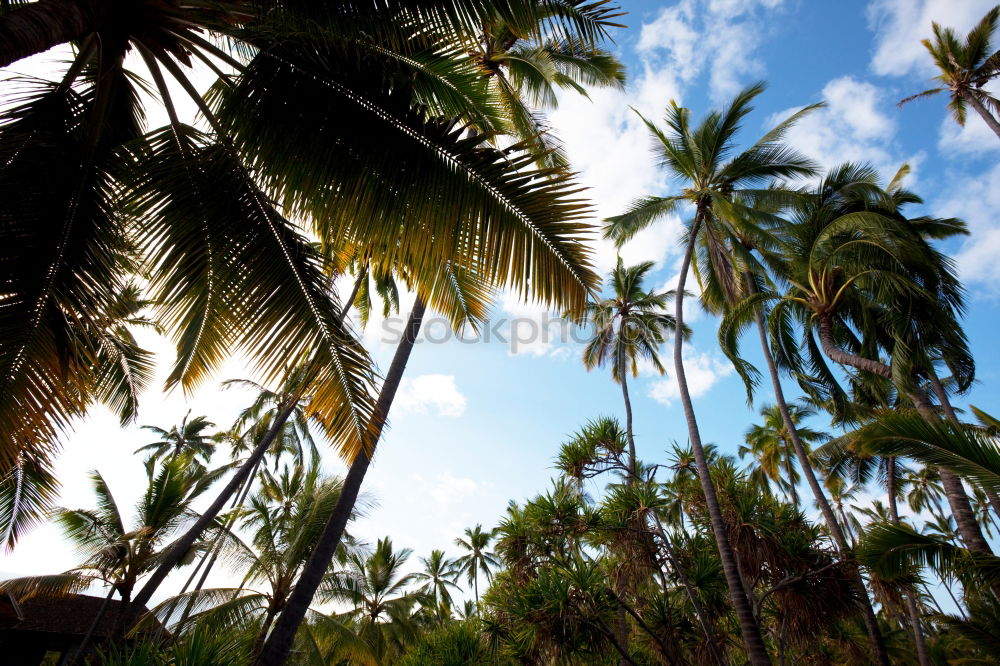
(976, 200)
(717, 36)
(701, 369)
(854, 126)
(421, 394)
(899, 26)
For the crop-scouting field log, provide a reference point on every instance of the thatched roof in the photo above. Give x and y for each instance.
(69, 615)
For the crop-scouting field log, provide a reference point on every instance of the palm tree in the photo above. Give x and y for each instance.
(441, 271)
(966, 67)
(438, 577)
(189, 437)
(628, 327)
(718, 185)
(891, 303)
(275, 305)
(478, 559)
(376, 587)
(771, 446)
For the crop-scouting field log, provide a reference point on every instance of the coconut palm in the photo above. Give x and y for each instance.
(438, 578)
(629, 327)
(966, 67)
(275, 305)
(189, 437)
(719, 184)
(771, 447)
(478, 559)
(376, 588)
(863, 281)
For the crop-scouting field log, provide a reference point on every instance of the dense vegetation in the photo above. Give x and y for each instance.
(400, 143)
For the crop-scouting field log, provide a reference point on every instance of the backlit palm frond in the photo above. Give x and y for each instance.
(235, 274)
(423, 186)
(59, 264)
(27, 493)
(966, 451)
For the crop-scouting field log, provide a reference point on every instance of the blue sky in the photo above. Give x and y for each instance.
(476, 425)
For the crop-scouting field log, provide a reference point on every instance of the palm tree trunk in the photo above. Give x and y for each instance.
(949, 411)
(279, 643)
(241, 497)
(628, 429)
(622, 619)
(868, 612)
(790, 471)
(39, 26)
(983, 112)
(180, 547)
(965, 519)
(749, 628)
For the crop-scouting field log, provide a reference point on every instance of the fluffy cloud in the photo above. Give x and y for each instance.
(899, 25)
(423, 393)
(976, 200)
(718, 36)
(853, 126)
(701, 369)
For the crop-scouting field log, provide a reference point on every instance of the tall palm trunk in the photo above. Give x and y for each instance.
(622, 618)
(39, 26)
(279, 643)
(790, 472)
(868, 612)
(982, 111)
(949, 411)
(632, 469)
(912, 610)
(965, 519)
(749, 628)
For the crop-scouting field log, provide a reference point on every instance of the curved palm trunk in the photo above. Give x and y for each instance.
(871, 621)
(749, 628)
(628, 429)
(39, 26)
(279, 643)
(983, 112)
(965, 519)
(949, 411)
